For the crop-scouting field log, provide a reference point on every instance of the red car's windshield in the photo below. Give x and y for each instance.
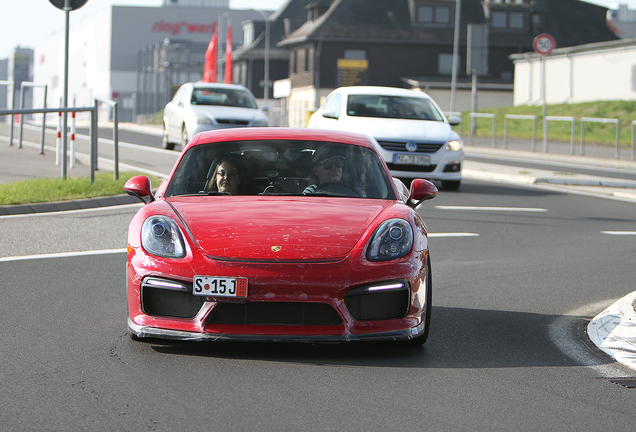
(275, 167)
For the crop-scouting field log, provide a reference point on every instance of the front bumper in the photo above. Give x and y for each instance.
(141, 331)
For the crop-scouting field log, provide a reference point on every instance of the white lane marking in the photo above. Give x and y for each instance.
(63, 255)
(508, 209)
(619, 233)
(456, 234)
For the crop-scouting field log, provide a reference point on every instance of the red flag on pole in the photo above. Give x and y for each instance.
(228, 56)
(209, 71)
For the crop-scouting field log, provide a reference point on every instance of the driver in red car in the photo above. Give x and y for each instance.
(326, 166)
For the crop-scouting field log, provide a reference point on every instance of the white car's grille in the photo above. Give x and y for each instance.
(422, 146)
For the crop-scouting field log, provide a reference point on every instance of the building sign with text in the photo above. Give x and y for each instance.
(353, 72)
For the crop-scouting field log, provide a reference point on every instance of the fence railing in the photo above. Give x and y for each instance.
(546, 130)
(93, 131)
(508, 117)
(601, 120)
(471, 124)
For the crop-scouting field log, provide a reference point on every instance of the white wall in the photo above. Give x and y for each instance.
(603, 71)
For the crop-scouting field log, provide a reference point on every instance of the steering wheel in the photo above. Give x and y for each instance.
(336, 188)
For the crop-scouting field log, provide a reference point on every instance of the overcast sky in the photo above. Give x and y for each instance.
(25, 23)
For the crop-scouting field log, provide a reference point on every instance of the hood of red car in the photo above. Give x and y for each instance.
(277, 228)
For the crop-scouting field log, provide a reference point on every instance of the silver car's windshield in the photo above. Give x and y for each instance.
(394, 107)
(222, 97)
(268, 167)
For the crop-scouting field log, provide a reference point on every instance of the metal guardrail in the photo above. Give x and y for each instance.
(546, 131)
(471, 123)
(521, 117)
(23, 88)
(93, 131)
(601, 120)
(113, 105)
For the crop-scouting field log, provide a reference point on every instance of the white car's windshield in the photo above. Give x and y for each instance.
(224, 97)
(268, 167)
(395, 107)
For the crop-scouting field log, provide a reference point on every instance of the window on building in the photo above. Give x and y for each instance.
(355, 55)
(445, 64)
(434, 14)
(301, 61)
(292, 63)
(507, 20)
(248, 34)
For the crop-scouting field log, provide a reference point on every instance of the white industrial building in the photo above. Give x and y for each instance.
(104, 48)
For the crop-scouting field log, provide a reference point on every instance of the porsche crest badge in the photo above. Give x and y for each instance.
(276, 248)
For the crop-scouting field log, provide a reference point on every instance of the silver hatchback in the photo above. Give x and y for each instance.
(198, 107)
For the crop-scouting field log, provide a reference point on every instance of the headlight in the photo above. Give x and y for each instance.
(454, 145)
(202, 120)
(160, 236)
(261, 123)
(393, 239)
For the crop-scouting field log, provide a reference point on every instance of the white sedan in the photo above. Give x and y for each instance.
(416, 139)
(198, 107)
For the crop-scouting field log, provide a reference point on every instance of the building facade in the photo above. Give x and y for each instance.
(410, 43)
(106, 49)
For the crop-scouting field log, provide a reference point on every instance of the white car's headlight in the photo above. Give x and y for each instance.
(160, 236)
(202, 120)
(454, 145)
(261, 123)
(393, 239)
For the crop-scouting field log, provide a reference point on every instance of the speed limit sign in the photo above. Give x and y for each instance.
(544, 44)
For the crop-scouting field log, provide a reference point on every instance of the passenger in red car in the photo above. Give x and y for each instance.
(225, 179)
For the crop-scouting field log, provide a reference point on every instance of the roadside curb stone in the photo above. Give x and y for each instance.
(58, 206)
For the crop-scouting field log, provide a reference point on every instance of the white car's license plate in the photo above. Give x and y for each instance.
(220, 287)
(411, 159)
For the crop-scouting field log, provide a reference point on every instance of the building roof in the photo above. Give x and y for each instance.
(571, 22)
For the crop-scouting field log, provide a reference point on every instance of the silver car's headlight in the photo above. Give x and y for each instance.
(202, 120)
(261, 123)
(454, 145)
(160, 236)
(393, 239)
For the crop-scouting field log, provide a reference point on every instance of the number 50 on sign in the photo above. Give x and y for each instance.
(544, 44)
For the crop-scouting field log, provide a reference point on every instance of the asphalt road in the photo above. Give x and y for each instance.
(517, 273)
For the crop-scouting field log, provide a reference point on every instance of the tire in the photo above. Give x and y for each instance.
(164, 140)
(451, 185)
(421, 339)
(184, 137)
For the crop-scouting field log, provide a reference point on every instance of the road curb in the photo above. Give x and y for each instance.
(88, 203)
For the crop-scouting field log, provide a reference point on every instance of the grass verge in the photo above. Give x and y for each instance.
(42, 190)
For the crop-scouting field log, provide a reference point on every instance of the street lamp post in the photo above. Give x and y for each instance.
(266, 71)
(458, 5)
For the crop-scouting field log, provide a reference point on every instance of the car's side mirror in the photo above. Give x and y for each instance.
(421, 190)
(139, 187)
(454, 121)
(265, 108)
(329, 114)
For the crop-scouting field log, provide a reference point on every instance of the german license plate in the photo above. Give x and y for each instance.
(411, 159)
(220, 287)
